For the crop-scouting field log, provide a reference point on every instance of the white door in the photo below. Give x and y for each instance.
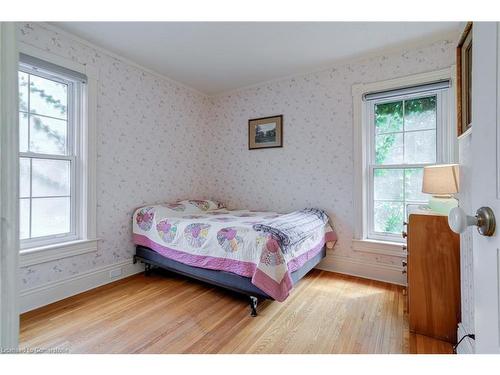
(486, 182)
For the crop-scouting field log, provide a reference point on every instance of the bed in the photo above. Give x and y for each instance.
(204, 240)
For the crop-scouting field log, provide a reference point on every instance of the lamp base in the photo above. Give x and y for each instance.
(442, 205)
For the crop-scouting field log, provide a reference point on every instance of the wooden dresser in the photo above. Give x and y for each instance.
(433, 267)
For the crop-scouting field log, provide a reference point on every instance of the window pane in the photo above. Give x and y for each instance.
(388, 217)
(420, 113)
(24, 178)
(48, 135)
(50, 177)
(413, 185)
(389, 149)
(388, 184)
(48, 98)
(420, 147)
(24, 218)
(23, 91)
(23, 132)
(50, 216)
(389, 117)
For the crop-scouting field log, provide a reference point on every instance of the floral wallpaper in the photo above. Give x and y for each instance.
(150, 148)
(315, 165)
(160, 141)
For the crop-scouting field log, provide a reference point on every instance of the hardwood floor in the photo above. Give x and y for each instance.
(166, 313)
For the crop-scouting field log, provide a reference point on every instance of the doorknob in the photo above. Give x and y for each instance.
(458, 220)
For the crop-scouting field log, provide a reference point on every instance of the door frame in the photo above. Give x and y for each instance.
(9, 190)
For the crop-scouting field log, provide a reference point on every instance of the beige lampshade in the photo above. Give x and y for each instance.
(441, 179)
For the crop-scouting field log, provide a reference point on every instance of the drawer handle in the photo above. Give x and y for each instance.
(404, 234)
(404, 263)
(403, 272)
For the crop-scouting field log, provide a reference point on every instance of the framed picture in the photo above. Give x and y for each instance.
(265, 132)
(464, 80)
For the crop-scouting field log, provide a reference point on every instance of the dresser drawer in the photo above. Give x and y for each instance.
(433, 277)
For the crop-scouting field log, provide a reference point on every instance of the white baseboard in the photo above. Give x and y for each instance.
(369, 270)
(467, 345)
(39, 296)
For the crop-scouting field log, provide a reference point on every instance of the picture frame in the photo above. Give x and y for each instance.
(265, 132)
(464, 80)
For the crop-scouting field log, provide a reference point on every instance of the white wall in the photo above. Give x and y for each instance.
(150, 148)
(159, 141)
(315, 166)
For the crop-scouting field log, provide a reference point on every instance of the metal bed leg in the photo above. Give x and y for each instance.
(253, 305)
(147, 269)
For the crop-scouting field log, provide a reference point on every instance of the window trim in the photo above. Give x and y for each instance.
(85, 166)
(361, 143)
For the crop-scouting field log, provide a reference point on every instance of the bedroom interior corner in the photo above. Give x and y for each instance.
(228, 182)
(231, 205)
(201, 152)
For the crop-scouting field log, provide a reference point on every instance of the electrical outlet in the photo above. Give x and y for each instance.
(115, 273)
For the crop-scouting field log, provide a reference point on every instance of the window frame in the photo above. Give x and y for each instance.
(85, 189)
(361, 242)
(441, 118)
(75, 94)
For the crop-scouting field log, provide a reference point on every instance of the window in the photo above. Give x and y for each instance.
(50, 179)
(404, 135)
(57, 156)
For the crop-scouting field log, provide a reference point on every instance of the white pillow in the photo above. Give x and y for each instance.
(202, 204)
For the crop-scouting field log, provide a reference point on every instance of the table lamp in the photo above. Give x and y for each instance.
(442, 182)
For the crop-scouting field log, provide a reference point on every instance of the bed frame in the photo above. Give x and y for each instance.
(228, 280)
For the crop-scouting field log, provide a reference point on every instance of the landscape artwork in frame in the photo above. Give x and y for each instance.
(265, 132)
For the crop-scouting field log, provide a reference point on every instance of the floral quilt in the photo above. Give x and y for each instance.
(205, 234)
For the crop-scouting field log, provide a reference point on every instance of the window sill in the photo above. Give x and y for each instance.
(393, 249)
(43, 254)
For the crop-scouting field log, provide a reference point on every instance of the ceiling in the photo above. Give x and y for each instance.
(215, 57)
